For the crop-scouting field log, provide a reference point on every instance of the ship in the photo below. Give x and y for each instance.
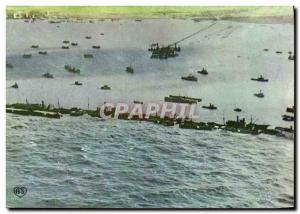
(279, 52)
(163, 52)
(96, 46)
(105, 87)
(182, 99)
(290, 109)
(43, 52)
(137, 102)
(15, 85)
(88, 37)
(74, 44)
(260, 79)
(64, 47)
(210, 107)
(190, 78)
(259, 94)
(66, 42)
(287, 118)
(237, 110)
(88, 56)
(129, 69)
(266, 49)
(203, 71)
(48, 75)
(102, 34)
(27, 56)
(291, 57)
(34, 46)
(72, 69)
(77, 83)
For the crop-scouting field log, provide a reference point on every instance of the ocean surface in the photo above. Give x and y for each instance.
(89, 162)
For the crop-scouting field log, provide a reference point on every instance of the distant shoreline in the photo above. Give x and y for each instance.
(77, 13)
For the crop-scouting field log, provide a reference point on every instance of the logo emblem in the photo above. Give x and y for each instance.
(20, 191)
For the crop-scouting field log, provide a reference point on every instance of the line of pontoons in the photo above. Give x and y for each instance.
(238, 125)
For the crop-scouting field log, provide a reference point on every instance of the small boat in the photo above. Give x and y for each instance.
(259, 94)
(66, 42)
(105, 87)
(15, 85)
(34, 46)
(64, 47)
(129, 69)
(88, 56)
(96, 46)
(210, 107)
(137, 102)
(287, 118)
(203, 71)
(237, 110)
(48, 75)
(8, 65)
(88, 37)
(27, 56)
(190, 78)
(260, 79)
(72, 69)
(291, 57)
(266, 49)
(77, 83)
(43, 52)
(279, 52)
(290, 109)
(74, 44)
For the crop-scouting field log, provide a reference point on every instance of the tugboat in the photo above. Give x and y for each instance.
(259, 94)
(129, 69)
(72, 69)
(260, 79)
(66, 42)
(74, 44)
(27, 56)
(203, 71)
(88, 56)
(77, 83)
(15, 85)
(182, 99)
(210, 107)
(190, 78)
(34, 46)
(137, 102)
(64, 47)
(43, 52)
(8, 65)
(48, 75)
(237, 110)
(105, 87)
(88, 37)
(96, 46)
(291, 57)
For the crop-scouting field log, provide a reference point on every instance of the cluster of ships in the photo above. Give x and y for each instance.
(157, 52)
